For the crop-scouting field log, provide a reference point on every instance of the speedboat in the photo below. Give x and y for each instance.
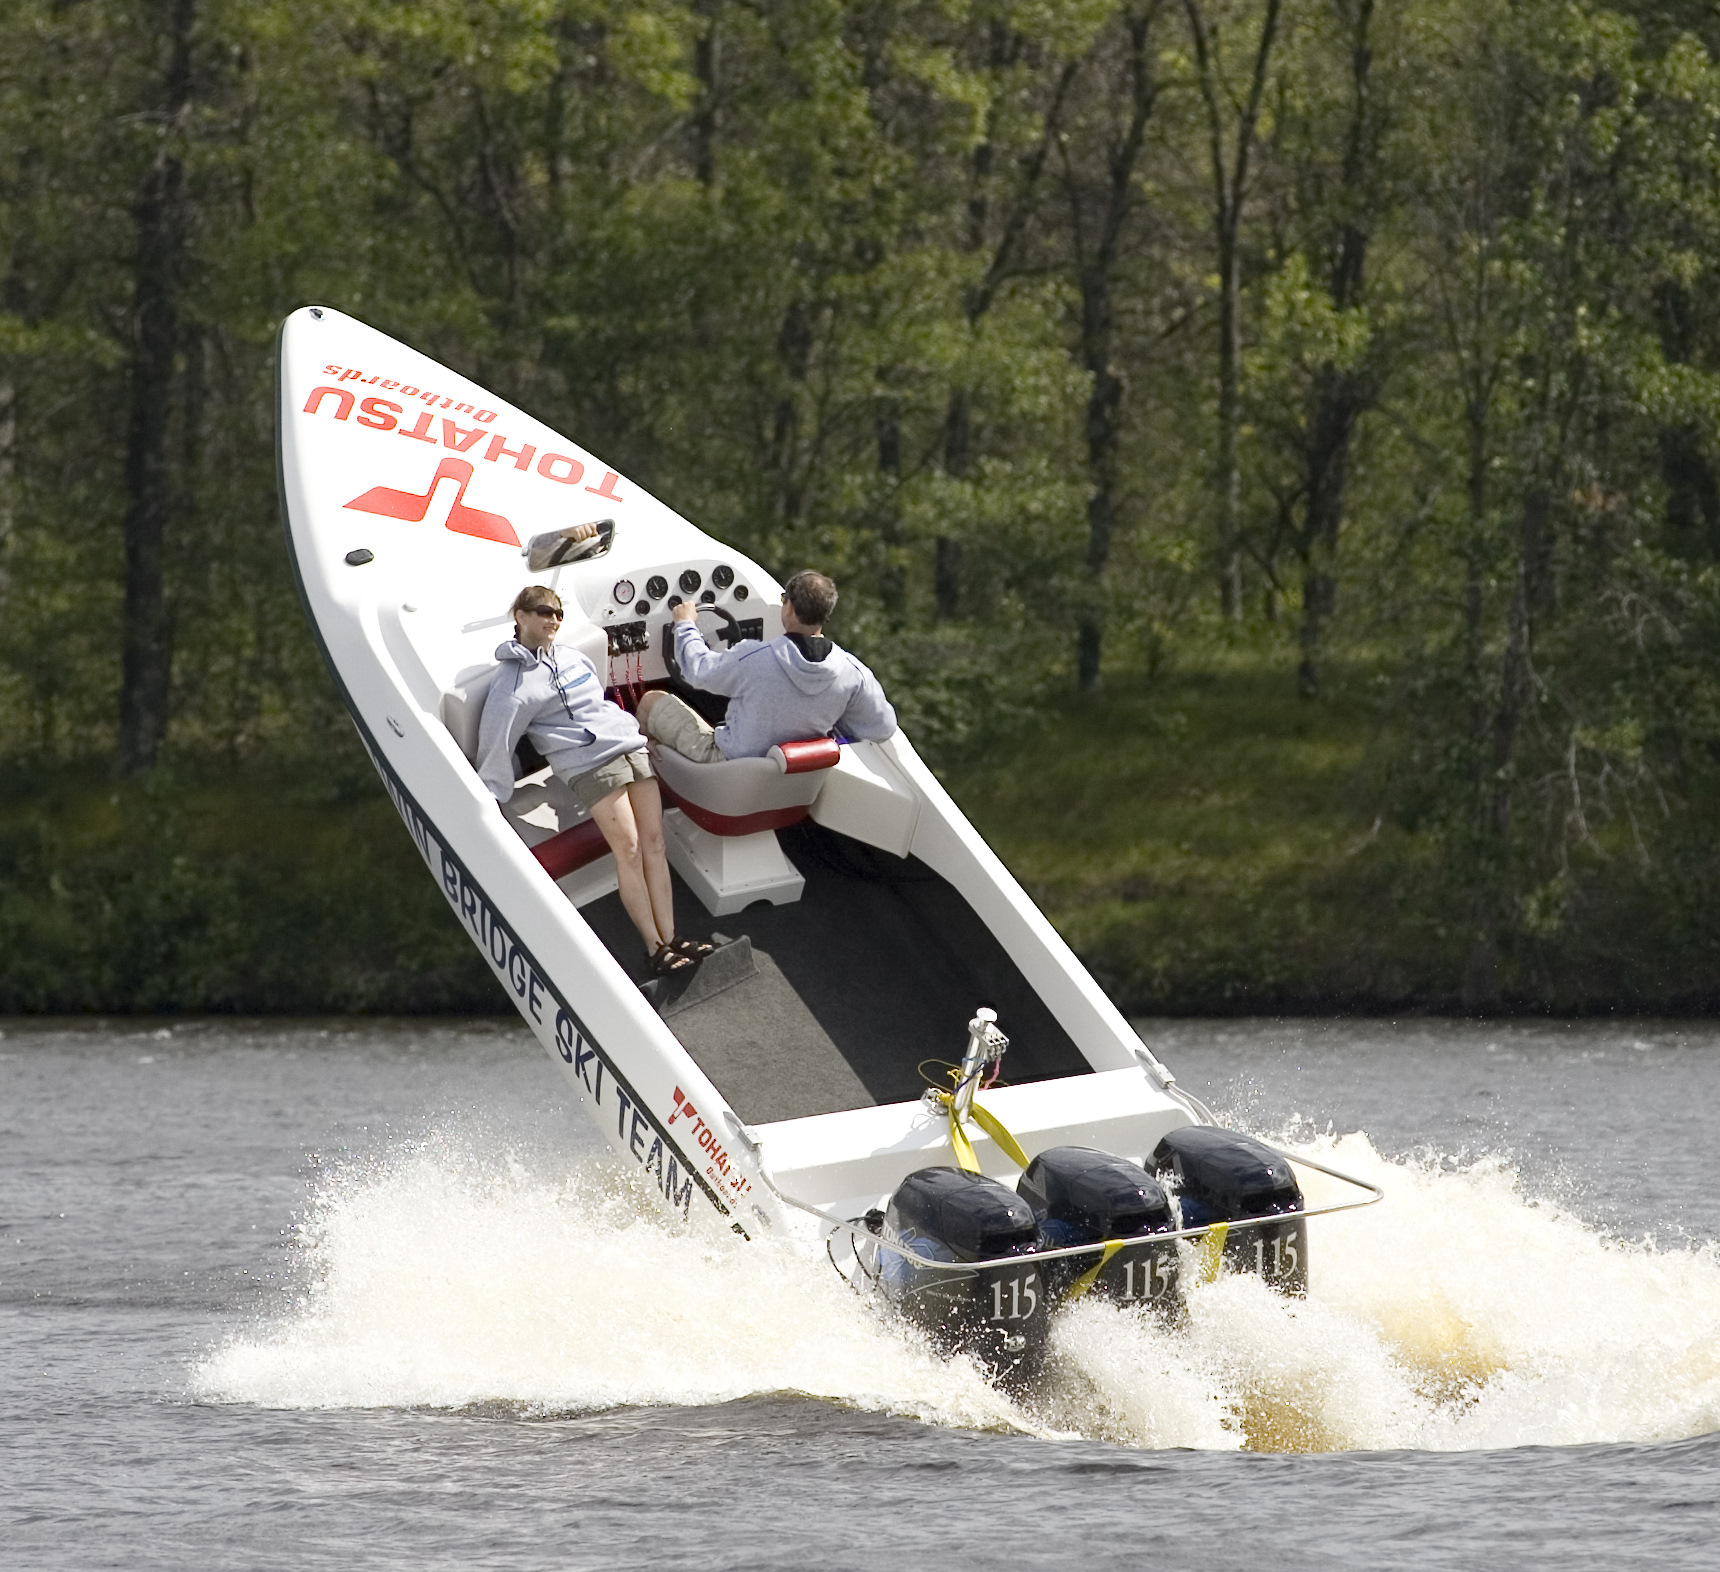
(890, 1055)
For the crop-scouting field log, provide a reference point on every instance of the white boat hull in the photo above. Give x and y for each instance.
(409, 631)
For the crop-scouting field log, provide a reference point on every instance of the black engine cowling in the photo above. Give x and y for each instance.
(997, 1315)
(1219, 1176)
(1082, 1196)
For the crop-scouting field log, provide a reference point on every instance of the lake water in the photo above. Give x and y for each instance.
(336, 1294)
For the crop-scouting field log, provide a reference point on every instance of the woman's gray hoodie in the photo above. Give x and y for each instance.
(555, 697)
(794, 688)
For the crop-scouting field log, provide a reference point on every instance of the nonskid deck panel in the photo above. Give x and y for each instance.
(876, 968)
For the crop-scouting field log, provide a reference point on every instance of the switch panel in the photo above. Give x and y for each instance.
(627, 638)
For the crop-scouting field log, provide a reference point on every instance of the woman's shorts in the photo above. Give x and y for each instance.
(607, 779)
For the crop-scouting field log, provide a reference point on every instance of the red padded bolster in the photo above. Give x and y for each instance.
(571, 850)
(733, 824)
(819, 753)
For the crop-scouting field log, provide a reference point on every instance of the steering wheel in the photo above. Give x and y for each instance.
(730, 632)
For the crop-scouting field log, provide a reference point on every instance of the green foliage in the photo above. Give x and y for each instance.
(286, 889)
(823, 276)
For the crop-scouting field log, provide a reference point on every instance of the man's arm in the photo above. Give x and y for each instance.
(869, 717)
(700, 664)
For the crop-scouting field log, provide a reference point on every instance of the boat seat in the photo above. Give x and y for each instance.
(463, 706)
(745, 796)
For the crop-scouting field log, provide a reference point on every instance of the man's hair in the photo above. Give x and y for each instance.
(533, 595)
(813, 597)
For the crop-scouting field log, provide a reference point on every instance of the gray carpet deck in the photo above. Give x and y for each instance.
(877, 967)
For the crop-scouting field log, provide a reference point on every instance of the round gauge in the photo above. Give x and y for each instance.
(674, 601)
(723, 576)
(656, 586)
(623, 592)
(708, 596)
(643, 607)
(690, 580)
(740, 592)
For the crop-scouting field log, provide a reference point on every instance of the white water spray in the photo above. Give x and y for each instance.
(1457, 1314)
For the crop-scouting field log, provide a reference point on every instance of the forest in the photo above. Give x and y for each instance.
(1268, 450)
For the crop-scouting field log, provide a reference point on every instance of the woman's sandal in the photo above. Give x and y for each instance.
(667, 961)
(694, 949)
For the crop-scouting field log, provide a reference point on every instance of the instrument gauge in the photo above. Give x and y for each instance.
(690, 581)
(656, 587)
(740, 592)
(624, 592)
(722, 576)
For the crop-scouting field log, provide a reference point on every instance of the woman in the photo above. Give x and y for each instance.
(554, 696)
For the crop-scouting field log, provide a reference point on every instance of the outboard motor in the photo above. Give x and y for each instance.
(1082, 1196)
(1219, 1176)
(998, 1315)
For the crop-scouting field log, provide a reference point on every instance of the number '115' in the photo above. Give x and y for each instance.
(1018, 1287)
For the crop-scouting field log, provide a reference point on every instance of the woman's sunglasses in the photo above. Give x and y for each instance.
(544, 611)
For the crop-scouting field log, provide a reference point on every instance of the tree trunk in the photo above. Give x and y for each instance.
(1104, 408)
(794, 350)
(147, 645)
(1338, 402)
(1095, 265)
(892, 579)
(1516, 691)
(946, 549)
(1340, 395)
(977, 298)
(1229, 175)
(1692, 495)
(706, 63)
(1229, 419)
(8, 475)
(947, 577)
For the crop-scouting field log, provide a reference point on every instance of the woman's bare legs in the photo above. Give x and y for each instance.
(648, 816)
(614, 817)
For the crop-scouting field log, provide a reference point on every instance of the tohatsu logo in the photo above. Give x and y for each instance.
(382, 416)
(720, 1164)
(413, 506)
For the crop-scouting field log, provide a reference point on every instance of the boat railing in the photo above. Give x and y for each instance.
(857, 1231)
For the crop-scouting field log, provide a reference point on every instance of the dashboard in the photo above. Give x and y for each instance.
(634, 610)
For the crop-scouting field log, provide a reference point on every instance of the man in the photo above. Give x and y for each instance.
(794, 688)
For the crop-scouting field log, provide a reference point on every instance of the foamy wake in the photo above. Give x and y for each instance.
(1457, 1314)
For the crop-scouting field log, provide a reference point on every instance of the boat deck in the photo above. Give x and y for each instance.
(878, 967)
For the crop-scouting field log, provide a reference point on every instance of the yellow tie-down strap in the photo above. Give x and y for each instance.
(1212, 1251)
(1087, 1279)
(992, 1125)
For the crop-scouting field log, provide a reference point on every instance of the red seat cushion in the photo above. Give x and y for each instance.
(817, 753)
(571, 850)
(733, 823)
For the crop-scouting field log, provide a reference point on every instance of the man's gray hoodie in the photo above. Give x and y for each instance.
(555, 697)
(794, 688)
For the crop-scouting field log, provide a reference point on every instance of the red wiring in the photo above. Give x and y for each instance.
(627, 686)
